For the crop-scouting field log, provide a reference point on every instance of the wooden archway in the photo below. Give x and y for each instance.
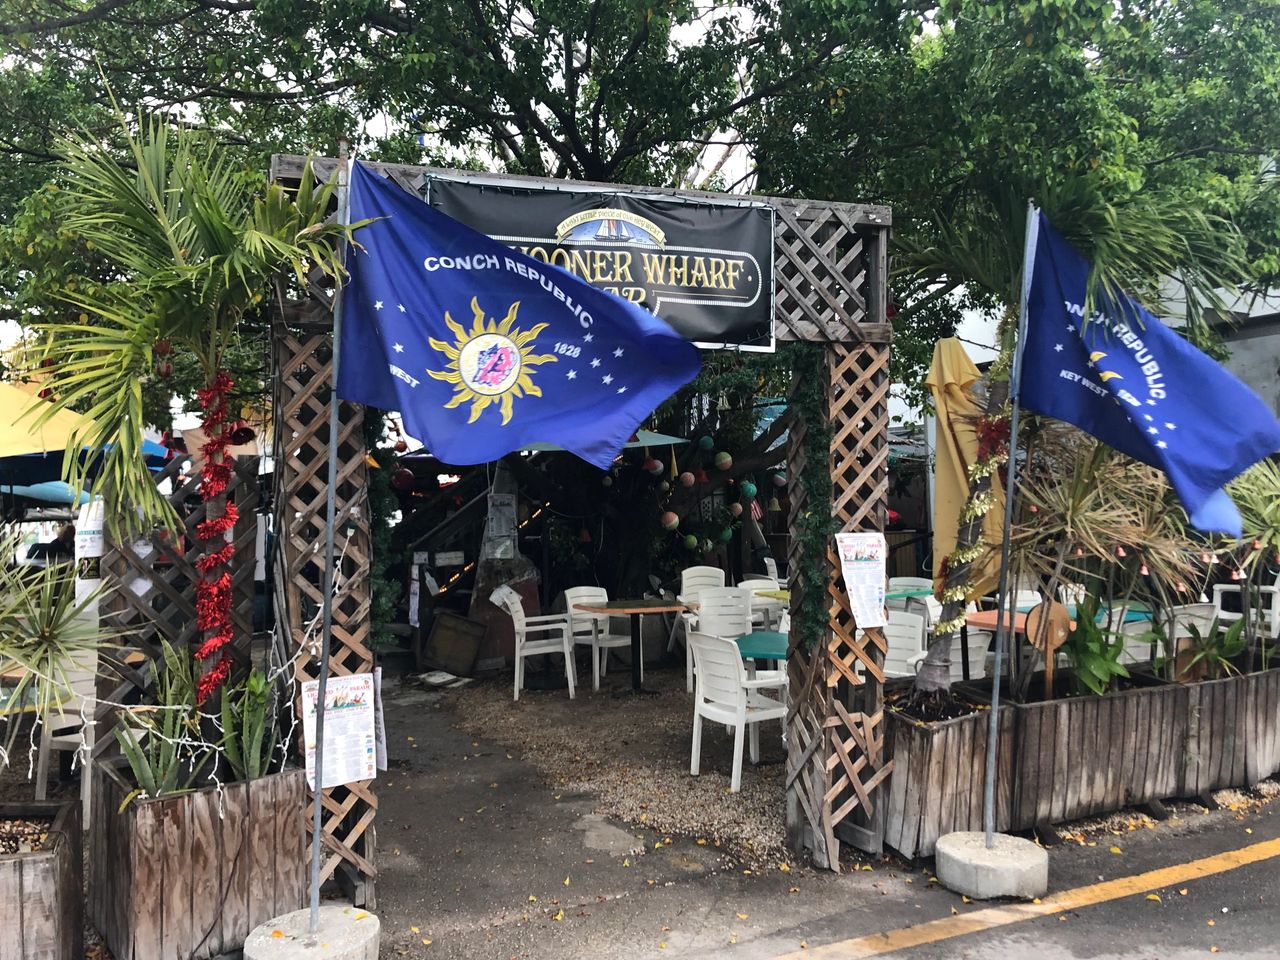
(831, 288)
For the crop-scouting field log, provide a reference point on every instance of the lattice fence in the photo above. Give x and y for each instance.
(152, 590)
(303, 380)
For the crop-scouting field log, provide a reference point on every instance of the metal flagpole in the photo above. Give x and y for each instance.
(326, 617)
(1015, 381)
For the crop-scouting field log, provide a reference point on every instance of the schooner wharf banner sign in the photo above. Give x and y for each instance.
(705, 267)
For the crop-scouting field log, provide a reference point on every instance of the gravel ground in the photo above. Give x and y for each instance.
(632, 755)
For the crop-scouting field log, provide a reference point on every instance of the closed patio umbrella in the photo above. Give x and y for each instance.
(952, 376)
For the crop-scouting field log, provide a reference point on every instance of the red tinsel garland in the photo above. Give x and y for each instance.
(213, 590)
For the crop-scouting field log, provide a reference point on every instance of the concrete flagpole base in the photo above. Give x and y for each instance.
(345, 933)
(1013, 867)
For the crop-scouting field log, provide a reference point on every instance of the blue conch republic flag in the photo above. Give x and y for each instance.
(484, 350)
(1135, 384)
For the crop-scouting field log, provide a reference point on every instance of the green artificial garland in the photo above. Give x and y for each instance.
(814, 527)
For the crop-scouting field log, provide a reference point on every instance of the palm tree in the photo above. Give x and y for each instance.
(1133, 243)
(194, 252)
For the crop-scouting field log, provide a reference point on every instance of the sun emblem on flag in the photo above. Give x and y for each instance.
(490, 363)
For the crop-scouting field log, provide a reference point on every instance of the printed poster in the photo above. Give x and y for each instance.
(350, 748)
(862, 561)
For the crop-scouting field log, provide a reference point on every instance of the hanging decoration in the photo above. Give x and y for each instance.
(701, 476)
(724, 460)
(403, 479)
(774, 505)
(691, 542)
(213, 589)
(705, 443)
(748, 489)
(687, 479)
(735, 509)
(670, 520)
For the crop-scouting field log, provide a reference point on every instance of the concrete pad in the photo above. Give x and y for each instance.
(1013, 867)
(345, 933)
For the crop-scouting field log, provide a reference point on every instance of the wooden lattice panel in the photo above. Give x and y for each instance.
(835, 744)
(303, 381)
(152, 592)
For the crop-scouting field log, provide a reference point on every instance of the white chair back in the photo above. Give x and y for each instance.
(719, 670)
(758, 581)
(1175, 621)
(81, 677)
(580, 622)
(1072, 593)
(904, 636)
(695, 579)
(771, 568)
(724, 611)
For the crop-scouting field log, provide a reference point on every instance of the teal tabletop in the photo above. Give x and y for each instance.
(763, 645)
(907, 594)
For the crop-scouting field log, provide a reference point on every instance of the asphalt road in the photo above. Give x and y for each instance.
(479, 859)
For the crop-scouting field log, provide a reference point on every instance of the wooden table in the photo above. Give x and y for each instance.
(986, 620)
(635, 609)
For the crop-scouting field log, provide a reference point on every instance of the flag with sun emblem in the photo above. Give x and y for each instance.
(1136, 385)
(484, 350)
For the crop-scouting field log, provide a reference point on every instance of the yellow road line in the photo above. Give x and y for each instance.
(878, 944)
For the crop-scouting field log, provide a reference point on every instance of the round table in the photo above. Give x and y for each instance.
(635, 609)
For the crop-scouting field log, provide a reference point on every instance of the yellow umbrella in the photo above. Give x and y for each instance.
(18, 433)
(951, 379)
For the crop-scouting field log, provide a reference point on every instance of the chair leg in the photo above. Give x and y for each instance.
(688, 668)
(753, 743)
(671, 638)
(695, 754)
(736, 784)
(42, 760)
(569, 670)
(519, 674)
(595, 666)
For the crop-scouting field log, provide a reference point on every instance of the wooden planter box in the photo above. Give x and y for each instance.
(172, 879)
(938, 777)
(41, 895)
(1080, 756)
(1231, 732)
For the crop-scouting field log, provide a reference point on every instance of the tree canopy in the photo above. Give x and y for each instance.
(920, 106)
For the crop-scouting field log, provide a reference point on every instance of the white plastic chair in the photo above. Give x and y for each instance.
(904, 636)
(1135, 651)
(724, 612)
(1267, 618)
(693, 581)
(725, 695)
(555, 625)
(70, 726)
(594, 629)
(771, 567)
(763, 609)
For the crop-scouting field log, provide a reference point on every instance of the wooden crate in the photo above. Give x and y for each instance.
(188, 877)
(41, 897)
(938, 778)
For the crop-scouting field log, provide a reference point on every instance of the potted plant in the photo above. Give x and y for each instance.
(197, 840)
(45, 642)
